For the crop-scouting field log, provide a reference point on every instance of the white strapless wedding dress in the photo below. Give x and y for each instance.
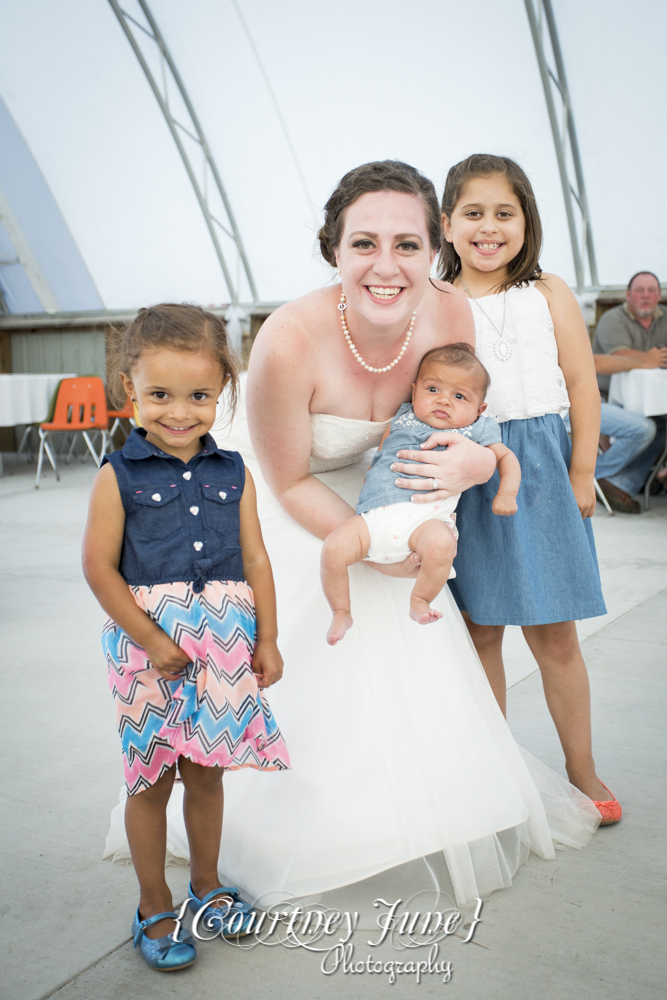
(398, 748)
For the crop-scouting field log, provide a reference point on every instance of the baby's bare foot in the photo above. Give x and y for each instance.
(422, 613)
(342, 621)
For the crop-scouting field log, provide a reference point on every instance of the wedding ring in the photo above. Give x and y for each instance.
(435, 485)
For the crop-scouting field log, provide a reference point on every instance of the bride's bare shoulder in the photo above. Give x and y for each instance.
(292, 326)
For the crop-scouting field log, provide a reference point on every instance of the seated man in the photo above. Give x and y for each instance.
(628, 337)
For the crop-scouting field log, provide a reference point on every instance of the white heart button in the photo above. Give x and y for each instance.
(198, 546)
(194, 510)
(156, 497)
(187, 475)
(223, 495)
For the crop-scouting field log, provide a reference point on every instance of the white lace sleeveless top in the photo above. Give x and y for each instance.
(530, 383)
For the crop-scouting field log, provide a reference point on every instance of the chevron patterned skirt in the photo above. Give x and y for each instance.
(215, 714)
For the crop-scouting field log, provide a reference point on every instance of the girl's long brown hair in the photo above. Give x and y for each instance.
(526, 265)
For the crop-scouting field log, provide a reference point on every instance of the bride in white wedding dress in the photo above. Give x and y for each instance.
(398, 748)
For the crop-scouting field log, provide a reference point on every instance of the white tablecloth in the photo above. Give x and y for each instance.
(24, 399)
(643, 390)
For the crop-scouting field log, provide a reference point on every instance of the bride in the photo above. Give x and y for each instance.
(399, 750)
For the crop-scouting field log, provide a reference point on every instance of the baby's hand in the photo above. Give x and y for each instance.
(167, 658)
(505, 506)
(267, 663)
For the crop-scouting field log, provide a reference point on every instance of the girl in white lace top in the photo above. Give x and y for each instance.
(538, 569)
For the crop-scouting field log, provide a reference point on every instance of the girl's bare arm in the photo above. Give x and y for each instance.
(575, 358)
(102, 545)
(267, 661)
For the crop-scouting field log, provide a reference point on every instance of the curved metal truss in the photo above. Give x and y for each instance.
(564, 134)
(219, 217)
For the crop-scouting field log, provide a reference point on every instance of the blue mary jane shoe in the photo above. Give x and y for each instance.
(164, 954)
(233, 918)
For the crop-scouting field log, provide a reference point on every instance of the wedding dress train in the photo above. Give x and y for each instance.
(398, 748)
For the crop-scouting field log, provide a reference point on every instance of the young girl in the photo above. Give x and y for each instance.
(539, 568)
(173, 552)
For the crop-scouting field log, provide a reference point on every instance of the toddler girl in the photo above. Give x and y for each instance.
(447, 395)
(173, 552)
(539, 569)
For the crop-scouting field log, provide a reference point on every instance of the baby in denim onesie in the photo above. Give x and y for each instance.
(448, 395)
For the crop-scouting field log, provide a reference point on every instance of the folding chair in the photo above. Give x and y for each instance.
(81, 408)
(127, 413)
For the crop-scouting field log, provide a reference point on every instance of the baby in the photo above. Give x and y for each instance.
(448, 395)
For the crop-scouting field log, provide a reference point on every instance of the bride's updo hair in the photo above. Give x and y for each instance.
(382, 175)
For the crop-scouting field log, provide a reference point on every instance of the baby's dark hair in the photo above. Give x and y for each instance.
(460, 355)
(173, 327)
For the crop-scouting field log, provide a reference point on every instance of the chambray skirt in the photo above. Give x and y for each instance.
(538, 566)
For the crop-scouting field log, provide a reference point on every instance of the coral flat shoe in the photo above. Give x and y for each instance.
(164, 954)
(610, 810)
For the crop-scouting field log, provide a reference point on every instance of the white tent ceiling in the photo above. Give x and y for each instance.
(428, 82)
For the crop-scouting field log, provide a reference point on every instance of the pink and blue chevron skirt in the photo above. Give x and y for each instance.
(215, 715)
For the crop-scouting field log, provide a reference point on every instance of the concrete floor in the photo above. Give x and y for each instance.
(589, 924)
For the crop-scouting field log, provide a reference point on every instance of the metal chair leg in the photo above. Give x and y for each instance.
(44, 446)
(603, 499)
(27, 434)
(96, 458)
(106, 443)
(52, 459)
(652, 474)
(71, 448)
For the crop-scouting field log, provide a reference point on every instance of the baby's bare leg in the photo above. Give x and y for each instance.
(435, 544)
(347, 544)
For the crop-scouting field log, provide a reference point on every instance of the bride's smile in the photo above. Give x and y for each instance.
(384, 258)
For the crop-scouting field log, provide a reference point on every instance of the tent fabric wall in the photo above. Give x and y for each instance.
(35, 213)
(429, 83)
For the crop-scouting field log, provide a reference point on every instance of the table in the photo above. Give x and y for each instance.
(25, 398)
(642, 390)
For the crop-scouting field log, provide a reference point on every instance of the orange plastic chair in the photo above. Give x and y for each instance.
(81, 408)
(127, 413)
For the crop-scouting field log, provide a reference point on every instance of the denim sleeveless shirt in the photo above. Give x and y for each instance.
(181, 520)
(407, 431)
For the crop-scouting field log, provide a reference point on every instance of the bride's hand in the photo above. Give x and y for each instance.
(408, 568)
(463, 465)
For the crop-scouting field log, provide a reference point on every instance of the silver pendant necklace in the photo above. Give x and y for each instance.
(501, 349)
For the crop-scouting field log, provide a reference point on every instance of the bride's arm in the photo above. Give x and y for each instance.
(281, 382)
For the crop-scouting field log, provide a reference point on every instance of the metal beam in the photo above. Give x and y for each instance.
(193, 129)
(556, 93)
(26, 257)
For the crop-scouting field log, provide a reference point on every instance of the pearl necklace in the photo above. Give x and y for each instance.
(342, 305)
